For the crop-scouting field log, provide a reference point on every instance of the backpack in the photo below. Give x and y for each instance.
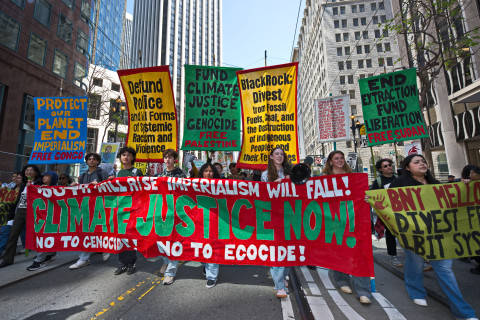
(379, 180)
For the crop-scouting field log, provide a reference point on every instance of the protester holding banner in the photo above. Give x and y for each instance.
(127, 258)
(336, 164)
(211, 269)
(278, 168)
(31, 175)
(50, 178)
(9, 208)
(385, 168)
(219, 168)
(415, 172)
(93, 175)
(64, 180)
(169, 268)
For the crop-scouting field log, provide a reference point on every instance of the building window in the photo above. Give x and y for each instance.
(366, 48)
(338, 37)
(363, 21)
(336, 24)
(355, 22)
(354, 9)
(390, 62)
(369, 63)
(347, 51)
(343, 92)
(381, 5)
(360, 64)
(97, 82)
(64, 30)
(387, 46)
(383, 19)
(385, 32)
(26, 134)
(357, 35)
(115, 87)
(37, 49)
(79, 73)
(362, 8)
(350, 79)
(94, 106)
(344, 23)
(9, 31)
(359, 49)
(345, 37)
(377, 33)
(349, 65)
(339, 51)
(70, 3)
(342, 10)
(92, 137)
(43, 12)
(335, 11)
(86, 7)
(20, 3)
(60, 64)
(82, 42)
(381, 62)
(340, 65)
(365, 34)
(352, 94)
(342, 79)
(375, 20)
(379, 48)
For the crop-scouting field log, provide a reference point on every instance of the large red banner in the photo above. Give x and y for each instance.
(324, 222)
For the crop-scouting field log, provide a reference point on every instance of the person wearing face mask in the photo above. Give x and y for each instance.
(31, 175)
(211, 269)
(278, 168)
(415, 173)
(336, 164)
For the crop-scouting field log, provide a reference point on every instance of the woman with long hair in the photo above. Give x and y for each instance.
(415, 172)
(336, 164)
(31, 175)
(278, 168)
(211, 269)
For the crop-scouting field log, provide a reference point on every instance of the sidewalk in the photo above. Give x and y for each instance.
(467, 281)
(18, 270)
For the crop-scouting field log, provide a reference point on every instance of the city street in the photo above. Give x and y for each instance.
(242, 292)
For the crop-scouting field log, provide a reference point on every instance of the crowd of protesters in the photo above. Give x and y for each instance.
(414, 171)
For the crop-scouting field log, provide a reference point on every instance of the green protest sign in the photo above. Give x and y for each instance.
(390, 107)
(212, 112)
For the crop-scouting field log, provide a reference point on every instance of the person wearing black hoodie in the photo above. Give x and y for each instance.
(50, 178)
(31, 175)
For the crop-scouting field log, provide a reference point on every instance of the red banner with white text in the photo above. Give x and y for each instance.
(324, 222)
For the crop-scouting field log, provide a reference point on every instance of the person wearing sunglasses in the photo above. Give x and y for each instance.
(385, 169)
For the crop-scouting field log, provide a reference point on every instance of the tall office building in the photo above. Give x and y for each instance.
(126, 42)
(108, 20)
(340, 43)
(175, 33)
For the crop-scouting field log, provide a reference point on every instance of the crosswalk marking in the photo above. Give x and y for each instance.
(287, 309)
(319, 307)
(390, 310)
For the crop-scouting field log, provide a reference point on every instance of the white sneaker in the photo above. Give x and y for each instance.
(420, 302)
(163, 269)
(106, 255)
(395, 261)
(346, 289)
(168, 280)
(79, 264)
(365, 299)
(281, 293)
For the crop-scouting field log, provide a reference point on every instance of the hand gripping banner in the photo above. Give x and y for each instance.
(324, 222)
(435, 221)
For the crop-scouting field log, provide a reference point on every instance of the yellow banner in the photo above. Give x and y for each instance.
(269, 114)
(152, 126)
(435, 221)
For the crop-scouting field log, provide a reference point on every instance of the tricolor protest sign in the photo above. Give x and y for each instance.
(435, 221)
(333, 118)
(269, 114)
(8, 199)
(60, 130)
(152, 117)
(324, 222)
(212, 109)
(390, 107)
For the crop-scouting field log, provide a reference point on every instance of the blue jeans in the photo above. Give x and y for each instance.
(279, 275)
(211, 270)
(172, 267)
(5, 233)
(446, 279)
(361, 285)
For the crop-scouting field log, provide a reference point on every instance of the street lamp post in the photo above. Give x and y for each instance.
(118, 112)
(354, 130)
